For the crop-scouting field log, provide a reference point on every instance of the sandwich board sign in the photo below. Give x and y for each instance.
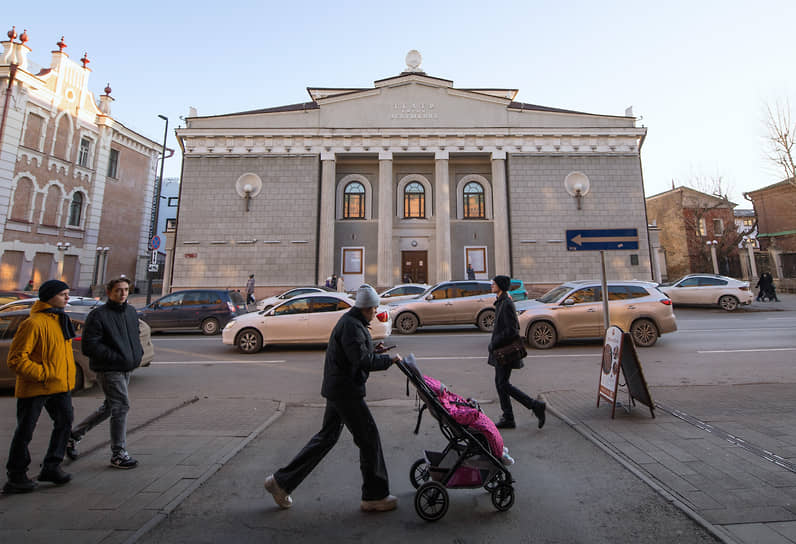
(619, 354)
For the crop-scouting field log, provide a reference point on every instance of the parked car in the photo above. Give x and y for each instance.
(28, 302)
(447, 303)
(9, 296)
(574, 310)
(270, 302)
(304, 319)
(207, 310)
(85, 377)
(517, 290)
(710, 290)
(402, 292)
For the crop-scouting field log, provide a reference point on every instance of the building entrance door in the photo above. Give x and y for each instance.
(414, 266)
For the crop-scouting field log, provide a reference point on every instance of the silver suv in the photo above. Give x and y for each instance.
(575, 310)
(447, 303)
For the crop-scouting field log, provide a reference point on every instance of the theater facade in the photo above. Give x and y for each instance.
(411, 179)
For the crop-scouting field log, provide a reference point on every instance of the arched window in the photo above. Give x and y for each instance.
(23, 199)
(414, 201)
(75, 210)
(473, 201)
(354, 201)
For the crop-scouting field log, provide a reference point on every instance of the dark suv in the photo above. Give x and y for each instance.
(205, 309)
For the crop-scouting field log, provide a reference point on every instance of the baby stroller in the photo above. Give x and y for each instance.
(466, 462)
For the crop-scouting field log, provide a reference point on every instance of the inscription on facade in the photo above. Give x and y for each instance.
(413, 111)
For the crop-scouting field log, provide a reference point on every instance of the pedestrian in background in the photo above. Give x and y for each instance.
(506, 329)
(250, 290)
(767, 289)
(41, 357)
(333, 282)
(350, 357)
(29, 286)
(470, 272)
(340, 285)
(112, 342)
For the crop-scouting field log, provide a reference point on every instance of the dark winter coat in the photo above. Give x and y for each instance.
(350, 358)
(111, 338)
(506, 329)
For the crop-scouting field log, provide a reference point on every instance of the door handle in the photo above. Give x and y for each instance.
(631, 307)
(591, 310)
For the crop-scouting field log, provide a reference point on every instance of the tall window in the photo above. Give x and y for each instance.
(473, 201)
(702, 229)
(354, 201)
(414, 201)
(113, 164)
(85, 147)
(718, 227)
(75, 210)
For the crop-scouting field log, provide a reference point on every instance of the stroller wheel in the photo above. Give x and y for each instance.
(431, 501)
(497, 479)
(419, 473)
(503, 497)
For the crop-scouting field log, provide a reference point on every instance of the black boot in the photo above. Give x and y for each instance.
(538, 410)
(55, 475)
(18, 483)
(505, 423)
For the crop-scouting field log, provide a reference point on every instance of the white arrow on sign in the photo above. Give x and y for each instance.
(579, 240)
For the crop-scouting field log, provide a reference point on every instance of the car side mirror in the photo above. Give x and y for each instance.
(429, 297)
(568, 302)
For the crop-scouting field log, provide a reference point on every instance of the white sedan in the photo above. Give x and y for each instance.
(305, 319)
(709, 289)
(270, 302)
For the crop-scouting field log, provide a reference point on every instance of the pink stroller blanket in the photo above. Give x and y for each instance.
(465, 413)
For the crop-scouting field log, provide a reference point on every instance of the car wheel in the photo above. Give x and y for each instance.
(644, 333)
(486, 320)
(728, 302)
(406, 323)
(210, 326)
(542, 335)
(249, 341)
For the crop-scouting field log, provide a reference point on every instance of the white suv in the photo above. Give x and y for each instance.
(709, 289)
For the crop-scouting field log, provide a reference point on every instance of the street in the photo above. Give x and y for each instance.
(570, 487)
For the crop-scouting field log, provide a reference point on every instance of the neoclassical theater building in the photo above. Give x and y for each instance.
(412, 179)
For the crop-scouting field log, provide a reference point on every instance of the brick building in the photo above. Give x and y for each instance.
(412, 178)
(76, 185)
(688, 219)
(775, 208)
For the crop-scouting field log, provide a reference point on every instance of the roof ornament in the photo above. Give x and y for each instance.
(61, 45)
(108, 89)
(85, 60)
(413, 61)
(24, 36)
(12, 34)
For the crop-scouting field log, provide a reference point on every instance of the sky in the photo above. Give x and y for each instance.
(699, 74)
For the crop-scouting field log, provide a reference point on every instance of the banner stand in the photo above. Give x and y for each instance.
(619, 352)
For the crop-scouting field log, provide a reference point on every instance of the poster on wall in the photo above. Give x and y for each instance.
(476, 257)
(352, 261)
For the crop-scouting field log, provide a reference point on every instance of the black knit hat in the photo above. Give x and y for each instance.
(503, 282)
(50, 288)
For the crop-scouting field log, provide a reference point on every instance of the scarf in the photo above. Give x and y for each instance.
(65, 322)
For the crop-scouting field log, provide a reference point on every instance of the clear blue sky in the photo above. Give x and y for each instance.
(700, 73)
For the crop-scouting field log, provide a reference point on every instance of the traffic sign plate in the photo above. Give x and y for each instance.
(153, 267)
(602, 239)
(155, 243)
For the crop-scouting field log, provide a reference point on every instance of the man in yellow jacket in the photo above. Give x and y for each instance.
(41, 357)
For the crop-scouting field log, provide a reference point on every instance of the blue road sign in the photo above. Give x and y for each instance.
(155, 243)
(601, 239)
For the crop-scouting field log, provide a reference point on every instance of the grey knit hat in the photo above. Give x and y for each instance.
(367, 297)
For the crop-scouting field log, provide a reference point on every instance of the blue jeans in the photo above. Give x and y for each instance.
(115, 406)
(59, 408)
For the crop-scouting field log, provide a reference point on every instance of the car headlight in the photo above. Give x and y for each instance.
(229, 325)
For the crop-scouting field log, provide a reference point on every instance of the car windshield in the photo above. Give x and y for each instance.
(554, 294)
(236, 297)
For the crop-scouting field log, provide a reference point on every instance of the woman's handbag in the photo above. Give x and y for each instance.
(510, 353)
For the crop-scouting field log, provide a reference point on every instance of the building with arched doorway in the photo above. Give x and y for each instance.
(412, 178)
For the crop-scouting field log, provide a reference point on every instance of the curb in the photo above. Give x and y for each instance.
(583, 430)
(164, 512)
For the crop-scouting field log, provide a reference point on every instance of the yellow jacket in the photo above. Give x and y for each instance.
(40, 357)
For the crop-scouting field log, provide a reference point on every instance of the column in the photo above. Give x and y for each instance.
(750, 248)
(500, 210)
(442, 209)
(386, 217)
(326, 219)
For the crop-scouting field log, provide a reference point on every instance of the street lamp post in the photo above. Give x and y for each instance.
(62, 247)
(712, 245)
(154, 226)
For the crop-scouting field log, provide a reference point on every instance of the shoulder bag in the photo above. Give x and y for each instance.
(511, 352)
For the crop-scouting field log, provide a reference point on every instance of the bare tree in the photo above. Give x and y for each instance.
(782, 138)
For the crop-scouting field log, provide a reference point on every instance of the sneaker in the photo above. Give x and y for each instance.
(19, 484)
(390, 502)
(505, 423)
(123, 461)
(55, 475)
(71, 448)
(281, 498)
(538, 411)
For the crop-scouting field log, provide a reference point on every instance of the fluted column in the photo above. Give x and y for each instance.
(443, 212)
(500, 213)
(327, 219)
(386, 216)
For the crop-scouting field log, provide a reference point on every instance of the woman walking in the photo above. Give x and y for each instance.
(507, 329)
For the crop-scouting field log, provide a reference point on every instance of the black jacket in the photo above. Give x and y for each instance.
(506, 329)
(350, 358)
(111, 338)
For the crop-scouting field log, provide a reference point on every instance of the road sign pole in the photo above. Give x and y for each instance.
(606, 320)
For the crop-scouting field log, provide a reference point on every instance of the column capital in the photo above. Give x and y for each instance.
(385, 155)
(441, 155)
(327, 155)
(498, 155)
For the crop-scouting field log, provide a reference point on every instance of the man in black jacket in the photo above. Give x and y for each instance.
(350, 357)
(111, 340)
